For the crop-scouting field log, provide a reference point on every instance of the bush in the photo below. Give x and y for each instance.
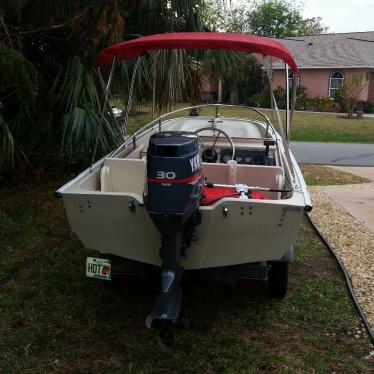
(263, 99)
(366, 106)
(348, 94)
(300, 97)
(319, 104)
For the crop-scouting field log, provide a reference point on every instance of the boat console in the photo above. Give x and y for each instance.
(245, 156)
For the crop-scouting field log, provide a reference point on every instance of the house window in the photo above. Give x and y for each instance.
(336, 81)
(290, 80)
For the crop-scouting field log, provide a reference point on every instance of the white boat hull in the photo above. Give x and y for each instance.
(251, 231)
(232, 231)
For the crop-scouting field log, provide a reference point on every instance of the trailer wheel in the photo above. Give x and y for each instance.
(277, 279)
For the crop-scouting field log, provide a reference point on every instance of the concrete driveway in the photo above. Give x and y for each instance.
(357, 199)
(347, 154)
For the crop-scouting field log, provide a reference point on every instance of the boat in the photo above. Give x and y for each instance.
(208, 193)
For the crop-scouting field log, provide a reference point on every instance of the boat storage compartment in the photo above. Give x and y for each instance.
(123, 175)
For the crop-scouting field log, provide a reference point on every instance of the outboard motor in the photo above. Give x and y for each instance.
(172, 195)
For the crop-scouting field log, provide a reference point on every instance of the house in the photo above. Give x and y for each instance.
(326, 60)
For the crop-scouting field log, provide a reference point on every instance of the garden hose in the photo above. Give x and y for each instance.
(347, 280)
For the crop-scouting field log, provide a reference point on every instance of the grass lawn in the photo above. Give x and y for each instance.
(320, 175)
(316, 127)
(54, 319)
(311, 127)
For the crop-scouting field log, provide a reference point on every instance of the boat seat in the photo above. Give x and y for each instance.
(128, 175)
(123, 175)
(139, 152)
(251, 175)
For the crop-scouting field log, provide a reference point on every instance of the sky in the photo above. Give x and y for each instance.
(338, 15)
(342, 15)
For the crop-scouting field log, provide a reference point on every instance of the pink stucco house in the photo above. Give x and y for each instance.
(326, 60)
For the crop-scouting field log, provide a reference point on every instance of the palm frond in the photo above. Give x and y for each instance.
(168, 69)
(122, 81)
(82, 128)
(217, 63)
(6, 145)
(80, 107)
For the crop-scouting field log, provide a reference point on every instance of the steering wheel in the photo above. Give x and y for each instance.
(209, 154)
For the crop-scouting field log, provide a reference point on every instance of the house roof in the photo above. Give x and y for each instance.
(345, 50)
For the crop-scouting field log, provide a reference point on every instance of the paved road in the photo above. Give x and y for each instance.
(348, 154)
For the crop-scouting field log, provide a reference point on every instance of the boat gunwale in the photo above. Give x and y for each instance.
(146, 129)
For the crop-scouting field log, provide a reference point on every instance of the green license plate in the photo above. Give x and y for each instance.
(98, 268)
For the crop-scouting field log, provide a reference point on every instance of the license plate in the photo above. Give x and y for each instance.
(98, 268)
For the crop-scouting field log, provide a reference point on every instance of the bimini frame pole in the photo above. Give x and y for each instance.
(279, 118)
(153, 92)
(107, 89)
(269, 70)
(287, 103)
(273, 100)
(131, 92)
(116, 123)
(293, 100)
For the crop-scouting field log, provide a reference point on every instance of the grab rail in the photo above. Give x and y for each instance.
(158, 121)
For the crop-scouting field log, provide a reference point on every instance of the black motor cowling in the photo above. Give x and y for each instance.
(174, 179)
(172, 196)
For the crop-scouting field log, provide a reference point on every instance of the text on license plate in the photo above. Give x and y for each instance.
(98, 268)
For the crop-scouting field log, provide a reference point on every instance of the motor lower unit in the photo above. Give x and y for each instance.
(174, 185)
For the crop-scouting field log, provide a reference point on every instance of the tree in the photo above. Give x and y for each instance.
(273, 18)
(281, 18)
(348, 94)
(48, 77)
(213, 15)
(225, 16)
(50, 92)
(313, 26)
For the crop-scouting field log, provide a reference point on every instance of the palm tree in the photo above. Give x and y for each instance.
(53, 106)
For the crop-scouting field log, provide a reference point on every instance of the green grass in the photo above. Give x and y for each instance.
(311, 127)
(316, 127)
(54, 319)
(320, 175)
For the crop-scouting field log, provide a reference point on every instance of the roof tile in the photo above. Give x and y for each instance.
(331, 50)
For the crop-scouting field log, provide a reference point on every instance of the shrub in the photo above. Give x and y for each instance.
(300, 97)
(319, 104)
(259, 99)
(366, 106)
(263, 99)
(347, 95)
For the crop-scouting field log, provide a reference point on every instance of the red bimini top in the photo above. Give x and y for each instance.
(196, 40)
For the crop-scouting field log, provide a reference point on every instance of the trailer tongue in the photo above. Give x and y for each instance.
(171, 197)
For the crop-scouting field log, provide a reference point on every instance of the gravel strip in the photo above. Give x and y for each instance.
(351, 241)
